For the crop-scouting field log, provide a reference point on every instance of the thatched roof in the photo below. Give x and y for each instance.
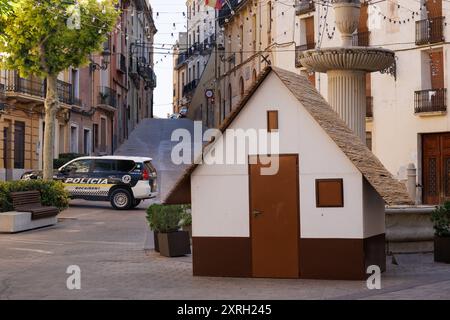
(391, 190)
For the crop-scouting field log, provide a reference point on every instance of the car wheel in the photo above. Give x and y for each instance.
(121, 199)
(136, 202)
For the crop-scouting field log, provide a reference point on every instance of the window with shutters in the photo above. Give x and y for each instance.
(434, 96)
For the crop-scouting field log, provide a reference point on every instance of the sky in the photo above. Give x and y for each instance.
(165, 13)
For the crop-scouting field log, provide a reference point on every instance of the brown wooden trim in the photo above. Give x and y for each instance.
(336, 259)
(341, 200)
(341, 259)
(222, 256)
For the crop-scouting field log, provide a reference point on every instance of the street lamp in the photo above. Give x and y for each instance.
(106, 55)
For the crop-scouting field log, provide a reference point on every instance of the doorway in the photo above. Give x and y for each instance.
(436, 168)
(274, 219)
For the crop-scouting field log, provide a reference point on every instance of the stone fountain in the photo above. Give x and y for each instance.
(346, 67)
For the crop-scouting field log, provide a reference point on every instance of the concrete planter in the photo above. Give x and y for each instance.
(174, 244)
(12, 222)
(442, 249)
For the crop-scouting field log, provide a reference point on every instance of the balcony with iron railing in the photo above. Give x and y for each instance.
(430, 30)
(107, 96)
(304, 6)
(190, 87)
(361, 39)
(182, 58)
(430, 101)
(300, 49)
(33, 88)
(369, 107)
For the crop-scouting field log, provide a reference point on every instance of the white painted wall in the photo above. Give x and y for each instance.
(220, 202)
(374, 216)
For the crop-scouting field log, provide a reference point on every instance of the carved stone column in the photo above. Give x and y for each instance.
(347, 96)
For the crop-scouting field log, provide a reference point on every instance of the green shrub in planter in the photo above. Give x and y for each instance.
(186, 217)
(52, 193)
(164, 220)
(441, 223)
(186, 221)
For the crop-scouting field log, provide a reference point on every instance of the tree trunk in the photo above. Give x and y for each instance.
(51, 108)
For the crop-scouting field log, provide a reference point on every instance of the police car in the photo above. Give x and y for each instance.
(124, 181)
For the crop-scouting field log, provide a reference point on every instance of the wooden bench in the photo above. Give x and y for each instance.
(30, 201)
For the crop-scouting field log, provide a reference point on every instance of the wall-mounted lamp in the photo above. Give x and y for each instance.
(106, 60)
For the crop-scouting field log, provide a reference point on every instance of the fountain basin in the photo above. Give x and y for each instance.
(347, 58)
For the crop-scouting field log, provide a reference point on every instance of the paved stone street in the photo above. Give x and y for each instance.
(109, 245)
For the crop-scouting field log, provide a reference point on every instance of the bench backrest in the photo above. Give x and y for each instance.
(26, 198)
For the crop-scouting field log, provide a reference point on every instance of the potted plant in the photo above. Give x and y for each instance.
(170, 240)
(151, 219)
(441, 224)
(186, 220)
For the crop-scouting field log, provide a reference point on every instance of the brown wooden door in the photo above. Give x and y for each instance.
(436, 168)
(309, 32)
(434, 8)
(437, 69)
(363, 18)
(274, 220)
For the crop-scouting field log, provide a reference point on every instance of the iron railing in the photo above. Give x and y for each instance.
(182, 57)
(300, 49)
(430, 30)
(77, 102)
(107, 96)
(37, 87)
(369, 107)
(65, 92)
(432, 100)
(361, 39)
(304, 6)
(190, 87)
(2, 97)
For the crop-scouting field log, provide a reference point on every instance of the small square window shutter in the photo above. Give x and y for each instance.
(272, 120)
(329, 193)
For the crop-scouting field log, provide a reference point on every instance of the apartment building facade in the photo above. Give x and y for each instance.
(191, 60)
(96, 107)
(179, 71)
